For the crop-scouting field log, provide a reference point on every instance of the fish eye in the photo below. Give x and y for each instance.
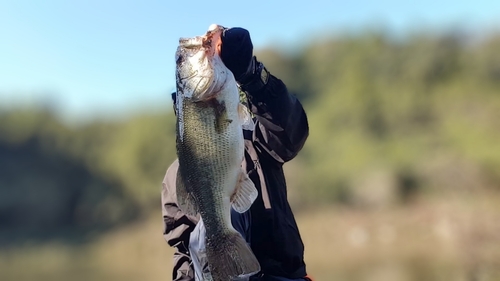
(179, 58)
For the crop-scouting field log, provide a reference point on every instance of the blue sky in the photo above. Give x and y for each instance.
(110, 58)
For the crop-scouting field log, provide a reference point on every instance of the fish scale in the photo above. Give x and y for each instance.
(206, 156)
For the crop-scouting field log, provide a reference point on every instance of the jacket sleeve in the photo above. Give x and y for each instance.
(177, 227)
(282, 127)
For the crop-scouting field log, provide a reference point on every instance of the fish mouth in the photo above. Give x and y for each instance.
(201, 41)
(189, 46)
(191, 43)
(195, 58)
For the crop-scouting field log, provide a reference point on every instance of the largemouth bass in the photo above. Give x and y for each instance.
(210, 149)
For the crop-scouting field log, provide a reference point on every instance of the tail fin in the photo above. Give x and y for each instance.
(229, 257)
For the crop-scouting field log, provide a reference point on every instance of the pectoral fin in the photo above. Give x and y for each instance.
(245, 118)
(244, 194)
(184, 198)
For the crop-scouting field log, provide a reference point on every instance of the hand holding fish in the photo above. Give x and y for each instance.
(237, 54)
(237, 51)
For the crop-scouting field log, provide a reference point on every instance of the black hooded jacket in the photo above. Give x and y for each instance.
(281, 129)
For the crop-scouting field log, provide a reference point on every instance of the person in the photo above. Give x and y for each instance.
(280, 131)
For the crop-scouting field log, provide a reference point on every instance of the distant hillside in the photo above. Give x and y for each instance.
(388, 121)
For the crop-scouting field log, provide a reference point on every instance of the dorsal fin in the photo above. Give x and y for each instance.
(245, 117)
